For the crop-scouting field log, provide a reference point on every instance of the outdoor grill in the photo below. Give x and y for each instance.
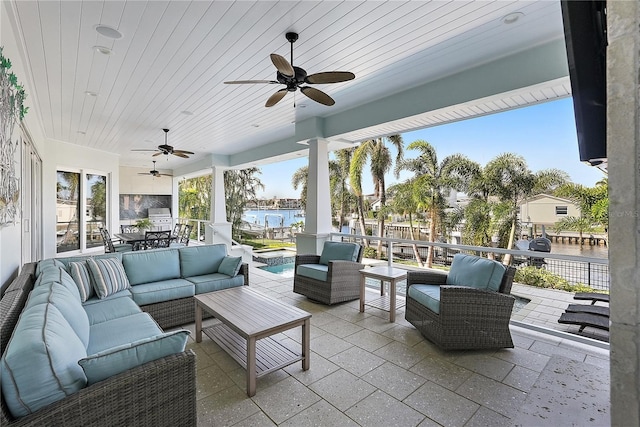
(160, 219)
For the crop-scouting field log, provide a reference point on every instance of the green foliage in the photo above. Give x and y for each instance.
(143, 224)
(542, 278)
(370, 252)
(14, 102)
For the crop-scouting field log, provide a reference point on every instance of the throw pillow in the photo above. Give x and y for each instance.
(108, 276)
(80, 275)
(230, 265)
(103, 365)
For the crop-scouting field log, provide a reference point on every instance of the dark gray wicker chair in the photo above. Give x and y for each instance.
(342, 283)
(469, 318)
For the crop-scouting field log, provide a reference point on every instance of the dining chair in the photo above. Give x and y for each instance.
(110, 247)
(183, 238)
(156, 239)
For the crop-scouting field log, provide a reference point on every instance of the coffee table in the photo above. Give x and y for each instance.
(385, 302)
(248, 320)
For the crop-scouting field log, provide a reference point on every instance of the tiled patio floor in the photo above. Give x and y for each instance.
(367, 371)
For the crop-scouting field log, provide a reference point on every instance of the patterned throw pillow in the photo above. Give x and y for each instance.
(80, 274)
(108, 276)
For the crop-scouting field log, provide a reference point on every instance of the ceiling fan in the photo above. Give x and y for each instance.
(294, 77)
(154, 173)
(167, 149)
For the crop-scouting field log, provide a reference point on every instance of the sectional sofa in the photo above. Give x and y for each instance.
(82, 340)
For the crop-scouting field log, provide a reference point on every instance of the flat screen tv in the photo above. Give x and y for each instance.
(585, 35)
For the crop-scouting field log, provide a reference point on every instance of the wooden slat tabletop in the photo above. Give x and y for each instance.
(249, 312)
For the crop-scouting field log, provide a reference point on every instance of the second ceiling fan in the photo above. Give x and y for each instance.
(295, 77)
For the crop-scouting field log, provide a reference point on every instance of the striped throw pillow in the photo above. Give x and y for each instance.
(80, 275)
(108, 276)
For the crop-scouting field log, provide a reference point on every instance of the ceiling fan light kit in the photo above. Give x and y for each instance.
(294, 77)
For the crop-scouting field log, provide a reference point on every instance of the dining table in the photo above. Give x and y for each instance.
(135, 239)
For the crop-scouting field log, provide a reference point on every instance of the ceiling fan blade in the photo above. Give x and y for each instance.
(184, 156)
(249, 82)
(158, 154)
(317, 95)
(276, 97)
(330, 77)
(164, 174)
(143, 149)
(183, 152)
(282, 65)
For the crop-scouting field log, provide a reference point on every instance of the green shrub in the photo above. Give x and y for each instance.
(370, 252)
(542, 278)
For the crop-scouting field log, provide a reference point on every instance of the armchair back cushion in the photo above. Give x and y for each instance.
(339, 251)
(476, 272)
(200, 260)
(151, 266)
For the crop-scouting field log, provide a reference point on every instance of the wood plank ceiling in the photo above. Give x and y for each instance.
(168, 68)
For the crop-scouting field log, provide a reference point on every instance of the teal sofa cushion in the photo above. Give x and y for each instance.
(49, 262)
(100, 366)
(59, 275)
(151, 266)
(475, 272)
(230, 265)
(67, 303)
(121, 331)
(40, 363)
(109, 309)
(94, 299)
(215, 282)
(313, 271)
(165, 290)
(339, 251)
(108, 276)
(427, 295)
(80, 274)
(199, 260)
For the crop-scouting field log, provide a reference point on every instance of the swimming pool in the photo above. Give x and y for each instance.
(286, 271)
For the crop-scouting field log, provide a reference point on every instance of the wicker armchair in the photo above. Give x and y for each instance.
(469, 318)
(342, 277)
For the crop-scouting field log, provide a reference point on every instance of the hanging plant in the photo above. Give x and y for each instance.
(12, 109)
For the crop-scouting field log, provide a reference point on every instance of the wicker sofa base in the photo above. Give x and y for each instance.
(169, 314)
(450, 331)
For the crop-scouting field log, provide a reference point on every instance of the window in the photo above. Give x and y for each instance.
(80, 192)
(561, 210)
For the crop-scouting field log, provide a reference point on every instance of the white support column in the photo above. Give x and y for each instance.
(219, 230)
(318, 212)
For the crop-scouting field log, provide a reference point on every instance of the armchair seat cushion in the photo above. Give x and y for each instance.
(313, 271)
(427, 295)
(476, 272)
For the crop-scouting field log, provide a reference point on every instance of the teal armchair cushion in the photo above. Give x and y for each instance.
(313, 271)
(339, 251)
(43, 339)
(476, 272)
(151, 266)
(100, 366)
(199, 260)
(427, 295)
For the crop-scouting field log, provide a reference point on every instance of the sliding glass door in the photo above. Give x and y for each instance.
(81, 209)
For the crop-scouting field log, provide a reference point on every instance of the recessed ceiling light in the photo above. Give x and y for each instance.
(186, 113)
(255, 125)
(108, 32)
(89, 93)
(512, 18)
(103, 50)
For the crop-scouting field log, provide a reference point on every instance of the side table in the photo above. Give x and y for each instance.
(385, 302)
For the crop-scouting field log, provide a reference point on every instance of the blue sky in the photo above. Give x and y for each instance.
(543, 134)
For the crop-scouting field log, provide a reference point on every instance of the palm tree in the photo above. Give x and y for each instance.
(240, 187)
(433, 179)
(300, 179)
(511, 180)
(341, 197)
(593, 203)
(404, 202)
(379, 156)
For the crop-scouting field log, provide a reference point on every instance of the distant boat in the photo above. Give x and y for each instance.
(299, 214)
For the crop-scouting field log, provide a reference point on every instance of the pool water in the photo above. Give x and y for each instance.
(287, 270)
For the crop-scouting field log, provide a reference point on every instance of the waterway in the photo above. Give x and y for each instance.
(599, 251)
(273, 217)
